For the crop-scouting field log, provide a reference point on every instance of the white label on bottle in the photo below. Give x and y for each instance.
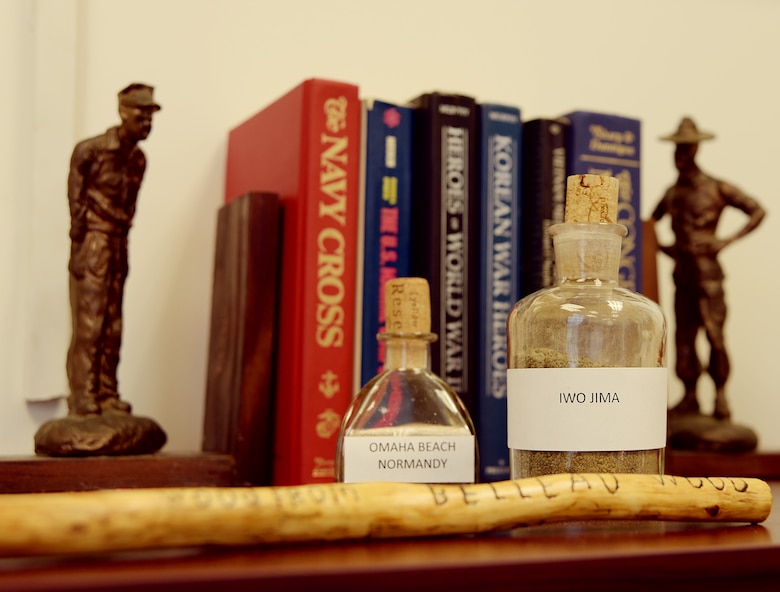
(409, 459)
(586, 409)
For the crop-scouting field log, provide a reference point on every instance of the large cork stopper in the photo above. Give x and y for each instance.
(591, 198)
(408, 305)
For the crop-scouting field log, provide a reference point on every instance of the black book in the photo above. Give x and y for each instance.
(543, 199)
(445, 221)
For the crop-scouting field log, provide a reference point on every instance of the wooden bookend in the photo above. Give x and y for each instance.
(240, 382)
(649, 260)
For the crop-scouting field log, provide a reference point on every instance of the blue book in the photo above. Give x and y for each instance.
(500, 131)
(386, 195)
(608, 144)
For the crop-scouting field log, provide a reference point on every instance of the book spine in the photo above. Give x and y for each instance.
(238, 416)
(445, 232)
(498, 278)
(305, 146)
(387, 199)
(608, 144)
(326, 285)
(543, 199)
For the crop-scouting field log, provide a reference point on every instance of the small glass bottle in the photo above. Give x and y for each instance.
(587, 379)
(407, 424)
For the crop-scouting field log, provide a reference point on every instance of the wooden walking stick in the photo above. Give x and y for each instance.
(114, 520)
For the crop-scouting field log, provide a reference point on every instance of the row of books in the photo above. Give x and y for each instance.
(328, 196)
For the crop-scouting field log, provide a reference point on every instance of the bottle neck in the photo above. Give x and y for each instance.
(407, 351)
(587, 251)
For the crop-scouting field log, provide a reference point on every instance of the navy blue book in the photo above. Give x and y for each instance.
(609, 144)
(543, 199)
(500, 131)
(386, 196)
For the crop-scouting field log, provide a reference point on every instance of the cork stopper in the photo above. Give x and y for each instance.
(591, 198)
(408, 305)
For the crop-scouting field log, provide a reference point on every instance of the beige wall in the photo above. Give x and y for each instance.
(215, 63)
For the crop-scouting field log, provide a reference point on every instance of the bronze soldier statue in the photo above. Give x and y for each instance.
(695, 203)
(105, 176)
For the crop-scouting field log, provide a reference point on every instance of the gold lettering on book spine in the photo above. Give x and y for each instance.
(331, 240)
(332, 251)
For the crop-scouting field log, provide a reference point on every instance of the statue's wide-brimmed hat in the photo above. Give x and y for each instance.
(688, 133)
(138, 95)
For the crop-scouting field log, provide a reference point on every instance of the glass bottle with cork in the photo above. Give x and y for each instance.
(587, 379)
(407, 424)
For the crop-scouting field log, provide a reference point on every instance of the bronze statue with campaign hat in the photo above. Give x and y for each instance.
(695, 203)
(105, 177)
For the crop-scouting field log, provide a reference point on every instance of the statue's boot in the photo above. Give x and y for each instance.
(112, 402)
(82, 403)
(722, 410)
(689, 405)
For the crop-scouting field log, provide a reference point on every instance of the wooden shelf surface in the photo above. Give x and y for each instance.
(762, 465)
(613, 555)
(32, 474)
(39, 474)
(610, 555)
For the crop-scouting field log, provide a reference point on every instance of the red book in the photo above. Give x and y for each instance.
(306, 147)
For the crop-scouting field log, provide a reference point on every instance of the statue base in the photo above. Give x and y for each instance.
(110, 433)
(38, 474)
(703, 433)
